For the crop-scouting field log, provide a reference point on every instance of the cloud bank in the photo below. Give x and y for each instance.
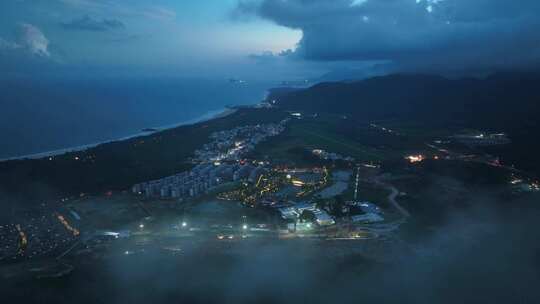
(441, 35)
(27, 50)
(32, 39)
(28, 39)
(87, 23)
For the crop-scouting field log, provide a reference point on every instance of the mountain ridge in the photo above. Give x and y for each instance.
(424, 97)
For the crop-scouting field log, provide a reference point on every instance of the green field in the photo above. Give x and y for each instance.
(329, 133)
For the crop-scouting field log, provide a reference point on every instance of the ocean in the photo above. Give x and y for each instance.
(38, 116)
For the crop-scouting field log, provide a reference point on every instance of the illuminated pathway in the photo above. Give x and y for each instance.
(64, 222)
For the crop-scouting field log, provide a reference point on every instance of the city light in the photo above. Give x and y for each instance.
(415, 158)
(245, 227)
(64, 222)
(184, 224)
(516, 181)
(298, 183)
(141, 226)
(317, 151)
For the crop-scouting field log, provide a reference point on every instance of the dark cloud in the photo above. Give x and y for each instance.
(442, 35)
(87, 23)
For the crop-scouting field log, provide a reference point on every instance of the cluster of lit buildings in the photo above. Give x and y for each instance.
(322, 154)
(482, 139)
(37, 236)
(201, 179)
(371, 213)
(524, 185)
(213, 169)
(384, 129)
(367, 213)
(418, 158)
(294, 211)
(235, 143)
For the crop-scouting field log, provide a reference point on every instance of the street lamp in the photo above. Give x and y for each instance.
(245, 227)
(141, 226)
(184, 224)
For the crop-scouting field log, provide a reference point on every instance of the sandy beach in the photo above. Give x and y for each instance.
(206, 117)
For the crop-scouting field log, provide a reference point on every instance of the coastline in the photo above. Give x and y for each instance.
(205, 117)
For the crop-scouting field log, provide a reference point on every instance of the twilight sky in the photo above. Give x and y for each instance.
(267, 38)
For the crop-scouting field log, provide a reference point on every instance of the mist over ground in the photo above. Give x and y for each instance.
(479, 254)
(79, 72)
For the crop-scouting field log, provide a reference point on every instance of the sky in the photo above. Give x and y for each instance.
(188, 36)
(267, 38)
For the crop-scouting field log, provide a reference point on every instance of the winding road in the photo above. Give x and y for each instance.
(392, 199)
(394, 192)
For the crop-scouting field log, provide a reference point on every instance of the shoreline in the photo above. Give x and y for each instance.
(216, 114)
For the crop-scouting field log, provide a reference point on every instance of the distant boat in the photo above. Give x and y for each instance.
(237, 81)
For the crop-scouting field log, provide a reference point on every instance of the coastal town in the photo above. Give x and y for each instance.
(302, 197)
(269, 151)
(218, 162)
(39, 235)
(234, 191)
